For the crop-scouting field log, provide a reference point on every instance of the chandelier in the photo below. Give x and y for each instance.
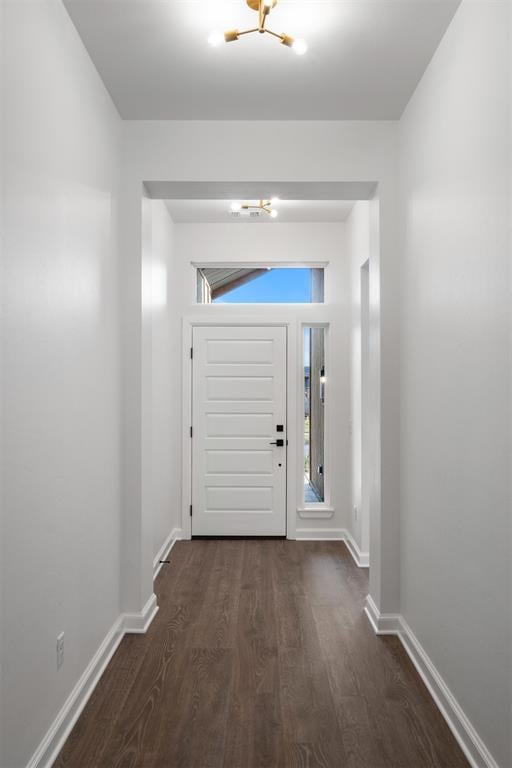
(255, 208)
(263, 7)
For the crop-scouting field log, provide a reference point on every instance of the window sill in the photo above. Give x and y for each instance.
(310, 513)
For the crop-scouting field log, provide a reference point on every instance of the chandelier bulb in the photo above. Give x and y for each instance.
(216, 39)
(299, 47)
(273, 214)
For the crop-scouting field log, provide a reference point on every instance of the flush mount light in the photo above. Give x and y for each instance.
(263, 7)
(251, 209)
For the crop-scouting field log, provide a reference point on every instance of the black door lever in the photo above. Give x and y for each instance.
(279, 443)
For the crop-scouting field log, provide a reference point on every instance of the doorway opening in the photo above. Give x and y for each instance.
(318, 232)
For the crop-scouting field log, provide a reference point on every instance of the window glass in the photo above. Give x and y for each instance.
(314, 405)
(279, 285)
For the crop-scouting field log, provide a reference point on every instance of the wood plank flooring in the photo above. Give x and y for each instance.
(260, 657)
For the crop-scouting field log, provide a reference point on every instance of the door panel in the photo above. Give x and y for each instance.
(239, 461)
(240, 388)
(239, 398)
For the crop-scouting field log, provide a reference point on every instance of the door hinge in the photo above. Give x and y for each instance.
(191, 353)
(191, 510)
(191, 430)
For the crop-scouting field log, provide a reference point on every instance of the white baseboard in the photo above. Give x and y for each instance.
(61, 727)
(174, 536)
(470, 742)
(361, 559)
(382, 623)
(320, 534)
(138, 623)
(46, 754)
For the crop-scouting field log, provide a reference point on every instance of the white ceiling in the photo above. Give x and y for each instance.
(364, 61)
(217, 211)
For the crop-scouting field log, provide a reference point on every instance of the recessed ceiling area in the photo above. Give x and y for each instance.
(364, 60)
(301, 211)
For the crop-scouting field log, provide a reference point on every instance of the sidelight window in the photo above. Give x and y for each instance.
(314, 415)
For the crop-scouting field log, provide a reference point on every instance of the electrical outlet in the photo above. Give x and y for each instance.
(355, 513)
(60, 650)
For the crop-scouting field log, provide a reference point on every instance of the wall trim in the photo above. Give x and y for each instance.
(138, 623)
(361, 559)
(55, 738)
(467, 737)
(382, 623)
(52, 743)
(163, 552)
(320, 534)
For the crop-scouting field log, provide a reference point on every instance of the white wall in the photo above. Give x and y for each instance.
(455, 367)
(298, 243)
(358, 244)
(160, 455)
(165, 384)
(2, 280)
(61, 441)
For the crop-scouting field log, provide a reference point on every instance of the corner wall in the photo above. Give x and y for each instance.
(165, 389)
(358, 244)
(60, 346)
(455, 367)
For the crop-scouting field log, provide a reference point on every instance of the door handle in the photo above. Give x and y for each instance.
(279, 443)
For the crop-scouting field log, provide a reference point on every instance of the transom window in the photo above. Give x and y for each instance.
(260, 285)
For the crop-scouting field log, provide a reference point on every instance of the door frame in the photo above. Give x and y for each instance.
(189, 323)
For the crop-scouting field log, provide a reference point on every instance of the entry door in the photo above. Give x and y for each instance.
(239, 414)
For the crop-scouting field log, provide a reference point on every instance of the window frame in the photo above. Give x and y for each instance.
(200, 265)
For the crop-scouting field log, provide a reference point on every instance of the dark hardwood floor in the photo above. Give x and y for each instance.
(261, 656)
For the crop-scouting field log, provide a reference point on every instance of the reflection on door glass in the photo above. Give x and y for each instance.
(314, 404)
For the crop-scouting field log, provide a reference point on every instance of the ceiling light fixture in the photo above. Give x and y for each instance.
(261, 205)
(263, 7)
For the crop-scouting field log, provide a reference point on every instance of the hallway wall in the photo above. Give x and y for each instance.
(455, 367)
(358, 244)
(60, 348)
(165, 480)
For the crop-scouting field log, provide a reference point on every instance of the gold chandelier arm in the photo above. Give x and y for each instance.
(261, 205)
(275, 34)
(248, 31)
(263, 12)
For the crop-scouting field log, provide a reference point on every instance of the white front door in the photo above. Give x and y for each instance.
(239, 413)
